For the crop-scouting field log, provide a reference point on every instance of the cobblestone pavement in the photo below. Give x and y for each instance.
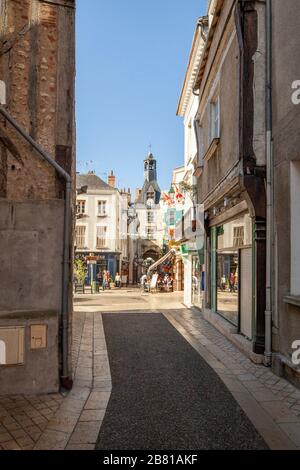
(54, 422)
(46, 422)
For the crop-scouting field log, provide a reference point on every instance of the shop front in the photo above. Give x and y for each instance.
(97, 263)
(194, 273)
(231, 272)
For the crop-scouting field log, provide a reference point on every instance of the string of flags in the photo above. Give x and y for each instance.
(178, 199)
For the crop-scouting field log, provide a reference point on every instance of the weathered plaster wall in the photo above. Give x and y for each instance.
(286, 134)
(223, 80)
(37, 64)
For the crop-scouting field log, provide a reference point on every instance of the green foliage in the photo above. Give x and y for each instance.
(189, 189)
(80, 270)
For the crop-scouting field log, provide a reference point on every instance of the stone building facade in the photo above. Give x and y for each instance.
(227, 85)
(37, 68)
(146, 227)
(284, 133)
(247, 128)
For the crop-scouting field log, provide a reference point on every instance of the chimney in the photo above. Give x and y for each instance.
(111, 179)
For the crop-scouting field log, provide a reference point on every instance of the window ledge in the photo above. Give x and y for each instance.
(292, 300)
(212, 149)
(101, 215)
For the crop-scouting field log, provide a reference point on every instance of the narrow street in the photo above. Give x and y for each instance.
(151, 374)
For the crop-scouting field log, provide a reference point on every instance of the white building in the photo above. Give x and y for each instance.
(192, 236)
(101, 225)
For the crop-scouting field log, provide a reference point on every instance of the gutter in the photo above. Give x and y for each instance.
(66, 380)
(269, 189)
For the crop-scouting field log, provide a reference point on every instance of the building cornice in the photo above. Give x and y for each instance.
(193, 65)
(211, 32)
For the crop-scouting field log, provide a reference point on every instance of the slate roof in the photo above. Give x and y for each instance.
(92, 181)
(147, 184)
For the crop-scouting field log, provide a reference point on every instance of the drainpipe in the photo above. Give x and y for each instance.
(65, 378)
(270, 208)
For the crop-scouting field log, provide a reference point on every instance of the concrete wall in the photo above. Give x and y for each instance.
(37, 64)
(286, 134)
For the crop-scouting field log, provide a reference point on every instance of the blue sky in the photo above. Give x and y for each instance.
(131, 60)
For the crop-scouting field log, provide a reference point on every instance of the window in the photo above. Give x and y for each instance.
(238, 236)
(215, 119)
(150, 233)
(101, 237)
(102, 208)
(81, 207)
(80, 236)
(150, 195)
(150, 217)
(171, 217)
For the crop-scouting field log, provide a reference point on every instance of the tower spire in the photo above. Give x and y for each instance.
(150, 168)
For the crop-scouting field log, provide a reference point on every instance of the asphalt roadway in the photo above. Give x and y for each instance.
(165, 396)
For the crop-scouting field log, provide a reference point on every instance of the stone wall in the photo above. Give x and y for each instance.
(37, 64)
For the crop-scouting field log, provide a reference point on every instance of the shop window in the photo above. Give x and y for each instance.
(228, 285)
(80, 231)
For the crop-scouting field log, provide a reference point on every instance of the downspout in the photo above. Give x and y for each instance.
(65, 379)
(270, 208)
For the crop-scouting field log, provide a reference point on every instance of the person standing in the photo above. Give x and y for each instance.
(118, 280)
(104, 280)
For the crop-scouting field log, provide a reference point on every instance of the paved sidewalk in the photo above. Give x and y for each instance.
(270, 402)
(46, 422)
(77, 423)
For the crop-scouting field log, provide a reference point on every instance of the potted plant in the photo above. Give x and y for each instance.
(80, 274)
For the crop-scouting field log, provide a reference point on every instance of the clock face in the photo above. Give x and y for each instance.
(150, 203)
